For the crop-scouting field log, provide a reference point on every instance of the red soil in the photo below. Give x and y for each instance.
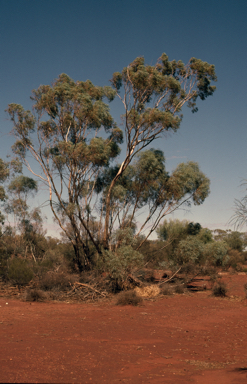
(179, 339)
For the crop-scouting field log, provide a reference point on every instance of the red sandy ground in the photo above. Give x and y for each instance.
(179, 339)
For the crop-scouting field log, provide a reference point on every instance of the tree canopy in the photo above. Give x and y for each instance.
(75, 141)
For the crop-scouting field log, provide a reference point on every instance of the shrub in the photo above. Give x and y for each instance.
(233, 258)
(120, 263)
(189, 269)
(190, 250)
(56, 281)
(19, 272)
(128, 298)
(220, 289)
(216, 252)
(166, 290)
(245, 288)
(179, 288)
(35, 295)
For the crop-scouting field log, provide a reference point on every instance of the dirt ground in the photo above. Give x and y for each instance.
(188, 338)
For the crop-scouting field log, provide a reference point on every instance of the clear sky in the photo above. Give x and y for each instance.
(92, 39)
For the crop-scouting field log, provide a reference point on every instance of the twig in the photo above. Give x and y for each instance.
(89, 286)
(163, 282)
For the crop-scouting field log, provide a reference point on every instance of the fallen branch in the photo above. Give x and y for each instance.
(165, 281)
(135, 280)
(90, 287)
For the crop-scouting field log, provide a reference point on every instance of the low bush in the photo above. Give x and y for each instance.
(190, 250)
(233, 259)
(19, 272)
(189, 269)
(166, 290)
(179, 288)
(35, 295)
(56, 281)
(245, 288)
(220, 289)
(128, 298)
(216, 253)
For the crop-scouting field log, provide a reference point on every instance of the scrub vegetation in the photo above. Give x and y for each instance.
(107, 203)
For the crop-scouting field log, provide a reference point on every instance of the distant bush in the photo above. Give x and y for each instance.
(233, 259)
(189, 250)
(216, 252)
(19, 272)
(128, 298)
(220, 289)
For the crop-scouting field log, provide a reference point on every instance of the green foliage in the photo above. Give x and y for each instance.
(235, 240)
(194, 229)
(119, 263)
(187, 179)
(19, 272)
(205, 235)
(75, 158)
(216, 252)
(4, 174)
(23, 185)
(190, 249)
(173, 230)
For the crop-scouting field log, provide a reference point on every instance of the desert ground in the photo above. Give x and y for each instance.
(183, 338)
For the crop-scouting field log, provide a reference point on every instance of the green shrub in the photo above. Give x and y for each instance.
(128, 298)
(119, 264)
(189, 250)
(216, 252)
(19, 272)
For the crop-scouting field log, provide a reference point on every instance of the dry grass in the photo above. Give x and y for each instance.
(149, 291)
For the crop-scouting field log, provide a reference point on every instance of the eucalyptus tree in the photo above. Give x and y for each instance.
(4, 173)
(20, 188)
(64, 135)
(153, 97)
(146, 188)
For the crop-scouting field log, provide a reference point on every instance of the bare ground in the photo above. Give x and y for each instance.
(189, 338)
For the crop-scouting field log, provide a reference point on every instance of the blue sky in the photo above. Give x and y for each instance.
(92, 39)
